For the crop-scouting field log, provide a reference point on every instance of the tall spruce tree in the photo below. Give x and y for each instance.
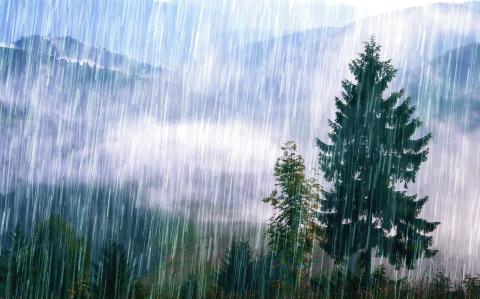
(294, 225)
(373, 150)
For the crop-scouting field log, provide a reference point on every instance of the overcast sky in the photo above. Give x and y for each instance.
(147, 29)
(373, 6)
(309, 12)
(385, 5)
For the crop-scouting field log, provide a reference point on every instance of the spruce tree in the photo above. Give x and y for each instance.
(294, 225)
(372, 151)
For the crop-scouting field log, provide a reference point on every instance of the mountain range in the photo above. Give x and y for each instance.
(447, 88)
(169, 33)
(66, 80)
(305, 69)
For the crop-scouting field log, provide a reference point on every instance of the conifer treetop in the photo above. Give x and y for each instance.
(372, 149)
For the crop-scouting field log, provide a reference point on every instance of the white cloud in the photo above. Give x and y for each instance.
(211, 147)
(226, 164)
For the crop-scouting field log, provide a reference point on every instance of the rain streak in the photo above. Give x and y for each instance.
(239, 149)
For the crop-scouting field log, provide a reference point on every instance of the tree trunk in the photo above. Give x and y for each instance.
(368, 267)
(368, 251)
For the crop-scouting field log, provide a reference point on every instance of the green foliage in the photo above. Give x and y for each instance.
(380, 280)
(342, 284)
(441, 285)
(240, 275)
(54, 263)
(16, 260)
(263, 276)
(191, 288)
(114, 273)
(235, 273)
(63, 260)
(373, 150)
(3, 272)
(140, 290)
(293, 228)
(472, 286)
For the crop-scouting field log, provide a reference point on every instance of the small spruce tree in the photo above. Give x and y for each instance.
(294, 227)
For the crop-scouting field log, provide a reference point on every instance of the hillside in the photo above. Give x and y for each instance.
(74, 51)
(448, 86)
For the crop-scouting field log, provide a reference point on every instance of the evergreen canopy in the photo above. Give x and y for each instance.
(372, 151)
(294, 226)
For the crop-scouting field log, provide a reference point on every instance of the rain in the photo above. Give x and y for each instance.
(140, 142)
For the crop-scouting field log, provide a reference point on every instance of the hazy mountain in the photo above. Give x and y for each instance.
(281, 49)
(304, 70)
(70, 96)
(74, 51)
(166, 33)
(410, 37)
(66, 67)
(448, 88)
(62, 88)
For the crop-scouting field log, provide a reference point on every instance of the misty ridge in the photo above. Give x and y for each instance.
(158, 157)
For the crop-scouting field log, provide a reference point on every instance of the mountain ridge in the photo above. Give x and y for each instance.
(73, 50)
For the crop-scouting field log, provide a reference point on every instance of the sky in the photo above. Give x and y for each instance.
(366, 7)
(373, 6)
(387, 5)
(285, 16)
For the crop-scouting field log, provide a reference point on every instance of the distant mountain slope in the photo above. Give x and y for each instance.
(410, 37)
(281, 48)
(72, 50)
(168, 33)
(448, 87)
(415, 35)
(61, 68)
(304, 70)
(70, 96)
(17, 62)
(461, 64)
